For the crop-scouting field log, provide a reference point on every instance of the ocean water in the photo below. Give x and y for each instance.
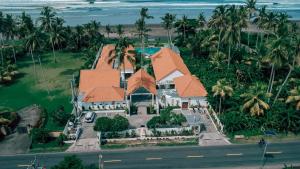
(126, 11)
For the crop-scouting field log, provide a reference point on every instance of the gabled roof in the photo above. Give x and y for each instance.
(90, 79)
(104, 94)
(107, 50)
(128, 63)
(141, 79)
(189, 86)
(165, 62)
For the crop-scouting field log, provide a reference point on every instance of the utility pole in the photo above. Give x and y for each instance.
(101, 166)
(263, 156)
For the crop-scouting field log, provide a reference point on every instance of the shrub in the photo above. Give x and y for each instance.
(60, 140)
(60, 116)
(154, 122)
(166, 118)
(105, 124)
(119, 123)
(69, 162)
(40, 135)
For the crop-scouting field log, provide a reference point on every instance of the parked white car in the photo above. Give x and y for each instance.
(89, 117)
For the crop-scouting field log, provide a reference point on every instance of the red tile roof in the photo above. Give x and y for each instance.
(104, 94)
(165, 62)
(141, 79)
(90, 79)
(189, 86)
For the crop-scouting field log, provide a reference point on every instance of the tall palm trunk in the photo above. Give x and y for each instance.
(169, 37)
(285, 80)
(53, 50)
(248, 38)
(261, 38)
(229, 55)
(143, 51)
(14, 54)
(1, 52)
(184, 34)
(33, 61)
(271, 75)
(219, 41)
(43, 74)
(220, 103)
(256, 43)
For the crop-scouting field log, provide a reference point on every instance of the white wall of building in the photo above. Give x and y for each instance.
(177, 101)
(102, 105)
(169, 79)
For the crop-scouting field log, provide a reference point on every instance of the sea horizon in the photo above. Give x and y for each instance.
(115, 12)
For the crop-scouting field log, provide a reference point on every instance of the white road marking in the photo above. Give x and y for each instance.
(274, 152)
(23, 165)
(153, 158)
(238, 154)
(112, 161)
(195, 156)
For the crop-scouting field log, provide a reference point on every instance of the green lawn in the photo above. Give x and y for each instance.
(29, 89)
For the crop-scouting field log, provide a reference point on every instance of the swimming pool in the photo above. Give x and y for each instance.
(148, 51)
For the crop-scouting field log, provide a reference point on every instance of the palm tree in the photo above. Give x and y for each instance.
(142, 28)
(9, 27)
(201, 21)
(259, 20)
(218, 21)
(222, 89)
(120, 55)
(277, 56)
(108, 30)
(183, 23)
(120, 30)
(294, 97)
(255, 100)
(1, 37)
(33, 41)
(25, 25)
(47, 18)
(232, 33)
(56, 36)
(78, 36)
(270, 23)
(168, 23)
(250, 6)
(294, 46)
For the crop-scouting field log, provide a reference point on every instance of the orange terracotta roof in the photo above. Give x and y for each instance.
(189, 86)
(141, 79)
(104, 94)
(167, 61)
(128, 64)
(102, 65)
(90, 79)
(105, 55)
(108, 51)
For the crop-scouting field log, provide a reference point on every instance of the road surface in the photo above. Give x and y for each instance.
(191, 157)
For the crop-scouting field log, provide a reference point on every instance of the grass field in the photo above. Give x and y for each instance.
(31, 89)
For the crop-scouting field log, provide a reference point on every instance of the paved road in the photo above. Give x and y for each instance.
(177, 157)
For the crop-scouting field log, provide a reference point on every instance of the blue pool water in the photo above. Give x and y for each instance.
(148, 51)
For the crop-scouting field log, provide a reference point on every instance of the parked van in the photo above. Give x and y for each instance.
(89, 117)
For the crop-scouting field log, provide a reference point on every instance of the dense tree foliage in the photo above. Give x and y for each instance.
(167, 118)
(106, 124)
